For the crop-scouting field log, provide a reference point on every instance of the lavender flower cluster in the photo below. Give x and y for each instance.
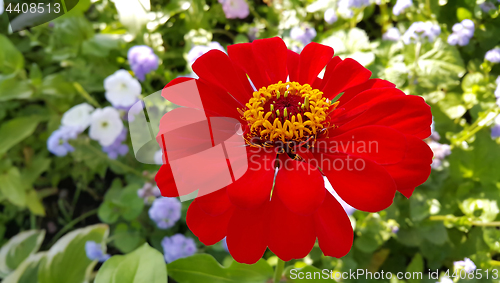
(419, 31)
(462, 33)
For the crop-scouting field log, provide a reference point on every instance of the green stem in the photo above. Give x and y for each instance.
(474, 223)
(71, 224)
(476, 127)
(418, 47)
(278, 272)
(115, 162)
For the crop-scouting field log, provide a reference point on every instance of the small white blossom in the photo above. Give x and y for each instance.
(122, 90)
(78, 117)
(105, 125)
(1, 7)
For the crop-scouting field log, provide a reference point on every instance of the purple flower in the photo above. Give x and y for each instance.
(58, 144)
(165, 212)
(117, 148)
(330, 16)
(142, 60)
(148, 192)
(400, 6)
(467, 264)
(94, 251)
(487, 6)
(495, 130)
(199, 50)
(440, 152)
(421, 30)
(224, 244)
(392, 34)
(304, 34)
(497, 90)
(462, 33)
(345, 7)
(235, 8)
(177, 246)
(493, 55)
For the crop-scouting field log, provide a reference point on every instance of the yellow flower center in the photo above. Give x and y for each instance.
(286, 112)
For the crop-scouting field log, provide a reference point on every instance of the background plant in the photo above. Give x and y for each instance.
(70, 199)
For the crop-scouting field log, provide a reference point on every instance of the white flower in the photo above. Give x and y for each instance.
(1, 7)
(159, 157)
(78, 116)
(122, 90)
(105, 125)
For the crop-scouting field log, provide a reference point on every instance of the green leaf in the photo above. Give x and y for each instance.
(126, 239)
(34, 203)
(453, 105)
(416, 265)
(27, 271)
(66, 261)
(12, 187)
(492, 238)
(18, 248)
(203, 268)
(16, 130)
(38, 165)
(440, 67)
(12, 87)
(11, 60)
(145, 264)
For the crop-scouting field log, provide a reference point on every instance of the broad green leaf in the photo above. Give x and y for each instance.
(203, 268)
(11, 87)
(38, 165)
(18, 248)
(145, 264)
(34, 203)
(126, 239)
(12, 187)
(440, 67)
(16, 130)
(66, 261)
(309, 274)
(11, 60)
(492, 238)
(453, 105)
(27, 271)
(416, 266)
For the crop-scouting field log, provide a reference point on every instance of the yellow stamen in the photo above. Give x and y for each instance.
(300, 121)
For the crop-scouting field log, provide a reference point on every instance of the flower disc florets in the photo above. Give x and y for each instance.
(286, 112)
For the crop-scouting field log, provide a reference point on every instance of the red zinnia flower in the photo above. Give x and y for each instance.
(292, 112)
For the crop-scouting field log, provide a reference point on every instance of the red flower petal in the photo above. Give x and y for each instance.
(346, 74)
(368, 98)
(360, 182)
(408, 114)
(380, 144)
(254, 187)
(415, 167)
(242, 55)
(333, 228)
(271, 54)
(330, 67)
(292, 63)
(300, 186)
(165, 181)
(291, 236)
(215, 203)
(369, 84)
(313, 59)
(247, 234)
(215, 68)
(208, 229)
